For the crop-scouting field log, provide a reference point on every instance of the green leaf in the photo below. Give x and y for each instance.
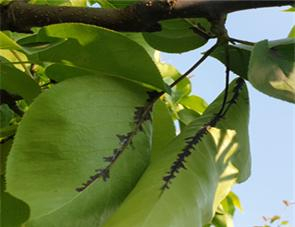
(194, 103)
(138, 38)
(190, 199)
(17, 82)
(63, 138)
(272, 69)
(7, 43)
(239, 58)
(14, 212)
(122, 4)
(8, 131)
(13, 58)
(223, 220)
(228, 205)
(60, 72)
(81, 3)
(98, 50)
(163, 129)
(236, 201)
(177, 35)
(238, 121)
(291, 9)
(6, 115)
(5, 2)
(170, 74)
(292, 33)
(186, 116)
(274, 218)
(240, 55)
(4, 151)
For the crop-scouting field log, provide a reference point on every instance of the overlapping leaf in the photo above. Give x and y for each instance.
(292, 33)
(170, 74)
(177, 35)
(63, 138)
(239, 58)
(13, 211)
(191, 199)
(269, 66)
(17, 82)
(97, 50)
(272, 70)
(163, 129)
(7, 43)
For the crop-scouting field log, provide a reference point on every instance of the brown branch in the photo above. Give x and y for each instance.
(20, 16)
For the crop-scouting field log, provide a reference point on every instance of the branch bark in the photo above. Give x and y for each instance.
(20, 16)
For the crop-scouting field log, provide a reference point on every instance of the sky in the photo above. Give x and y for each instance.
(272, 121)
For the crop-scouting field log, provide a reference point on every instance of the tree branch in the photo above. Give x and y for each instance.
(20, 16)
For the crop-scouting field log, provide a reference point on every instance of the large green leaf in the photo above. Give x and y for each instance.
(177, 35)
(191, 199)
(138, 38)
(272, 69)
(63, 138)
(163, 129)
(59, 72)
(97, 50)
(17, 82)
(238, 120)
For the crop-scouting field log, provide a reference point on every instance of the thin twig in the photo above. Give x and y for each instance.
(199, 62)
(14, 62)
(241, 41)
(27, 70)
(227, 74)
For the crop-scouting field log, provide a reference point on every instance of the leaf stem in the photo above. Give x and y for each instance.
(227, 74)
(15, 62)
(199, 62)
(27, 70)
(241, 41)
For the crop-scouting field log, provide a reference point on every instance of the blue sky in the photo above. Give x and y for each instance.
(272, 122)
